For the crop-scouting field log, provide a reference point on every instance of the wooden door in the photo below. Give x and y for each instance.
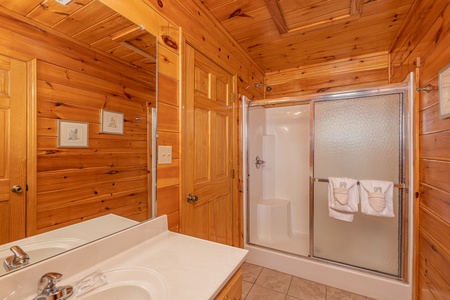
(13, 147)
(207, 147)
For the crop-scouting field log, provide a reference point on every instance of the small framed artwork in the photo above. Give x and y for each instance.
(111, 122)
(73, 134)
(444, 92)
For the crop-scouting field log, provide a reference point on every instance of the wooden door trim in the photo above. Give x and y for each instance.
(31, 213)
(416, 182)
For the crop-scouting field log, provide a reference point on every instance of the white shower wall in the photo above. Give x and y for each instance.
(280, 136)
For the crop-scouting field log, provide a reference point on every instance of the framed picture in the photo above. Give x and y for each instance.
(111, 122)
(444, 92)
(73, 134)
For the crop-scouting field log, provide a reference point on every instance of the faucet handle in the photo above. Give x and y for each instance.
(47, 289)
(47, 284)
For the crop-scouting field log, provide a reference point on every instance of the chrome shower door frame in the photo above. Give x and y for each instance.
(404, 184)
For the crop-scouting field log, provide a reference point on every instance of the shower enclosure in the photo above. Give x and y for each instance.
(292, 151)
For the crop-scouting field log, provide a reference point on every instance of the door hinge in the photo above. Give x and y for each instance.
(233, 97)
(232, 173)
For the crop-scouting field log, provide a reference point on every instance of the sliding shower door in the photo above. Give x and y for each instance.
(359, 138)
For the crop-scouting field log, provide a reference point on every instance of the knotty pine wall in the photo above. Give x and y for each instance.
(425, 43)
(111, 176)
(339, 75)
(175, 22)
(75, 83)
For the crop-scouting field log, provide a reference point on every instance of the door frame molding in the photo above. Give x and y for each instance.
(31, 212)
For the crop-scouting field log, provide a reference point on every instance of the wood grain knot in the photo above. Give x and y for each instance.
(170, 42)
(160, 4)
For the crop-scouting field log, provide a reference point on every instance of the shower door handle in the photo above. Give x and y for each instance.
(259, 162)
(192, 198)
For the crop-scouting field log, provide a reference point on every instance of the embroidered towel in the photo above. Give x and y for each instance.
(377, 198)
(343, 198)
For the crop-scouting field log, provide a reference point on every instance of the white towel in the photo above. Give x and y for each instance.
(377, 198)
(343, 198)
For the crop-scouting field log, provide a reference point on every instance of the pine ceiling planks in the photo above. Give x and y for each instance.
(318, 30)
(314, 31)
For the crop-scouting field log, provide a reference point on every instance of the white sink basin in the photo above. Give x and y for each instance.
(129, 283)
(38, 251)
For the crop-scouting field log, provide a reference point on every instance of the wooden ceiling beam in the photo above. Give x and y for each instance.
(277, 17)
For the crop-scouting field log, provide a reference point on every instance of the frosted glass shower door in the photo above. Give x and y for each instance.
(359, 138)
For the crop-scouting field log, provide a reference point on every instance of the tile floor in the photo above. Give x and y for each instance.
(260, 283)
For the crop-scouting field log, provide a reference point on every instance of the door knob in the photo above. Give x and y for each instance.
(17, 189)
(192, 198)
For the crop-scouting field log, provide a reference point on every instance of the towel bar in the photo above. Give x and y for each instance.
(396, 185)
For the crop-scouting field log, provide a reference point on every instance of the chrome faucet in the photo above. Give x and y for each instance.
(18, 260)
(47, 289)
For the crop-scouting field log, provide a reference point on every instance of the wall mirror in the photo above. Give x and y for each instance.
(88, 58)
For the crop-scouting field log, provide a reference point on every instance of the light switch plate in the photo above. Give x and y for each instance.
(164, 155)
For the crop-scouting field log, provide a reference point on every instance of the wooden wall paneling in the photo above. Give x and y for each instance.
(429, 281)
(435, 255)
(124, 204)
(52, 73)
(168, 174)
(330, 83)
(48, 201)
(208, 37)
(435, 145)
(430, 121)
(208, 22)
(435, 200)
(167, 62)
(68, 53)
(355, 72)
(168, 200)
(435, 173)
(168, 118)
(428, 99)
(414, 42)
(356, 63)
(74, 83)
(437, 229)
(173, 221)
(49, 181)
(168, 90)
(81, 159)
(170, 139)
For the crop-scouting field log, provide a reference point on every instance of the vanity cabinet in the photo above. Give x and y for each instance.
(233, 289)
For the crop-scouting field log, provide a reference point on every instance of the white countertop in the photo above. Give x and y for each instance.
(192, 268)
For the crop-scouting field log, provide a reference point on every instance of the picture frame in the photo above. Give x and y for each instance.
(444, 92)
(111, 122)
(72, 134)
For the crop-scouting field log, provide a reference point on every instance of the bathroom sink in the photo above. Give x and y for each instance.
(38, 251)
(129, 283)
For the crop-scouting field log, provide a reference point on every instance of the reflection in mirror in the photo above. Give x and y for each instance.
(45, 245)
(70, 62)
